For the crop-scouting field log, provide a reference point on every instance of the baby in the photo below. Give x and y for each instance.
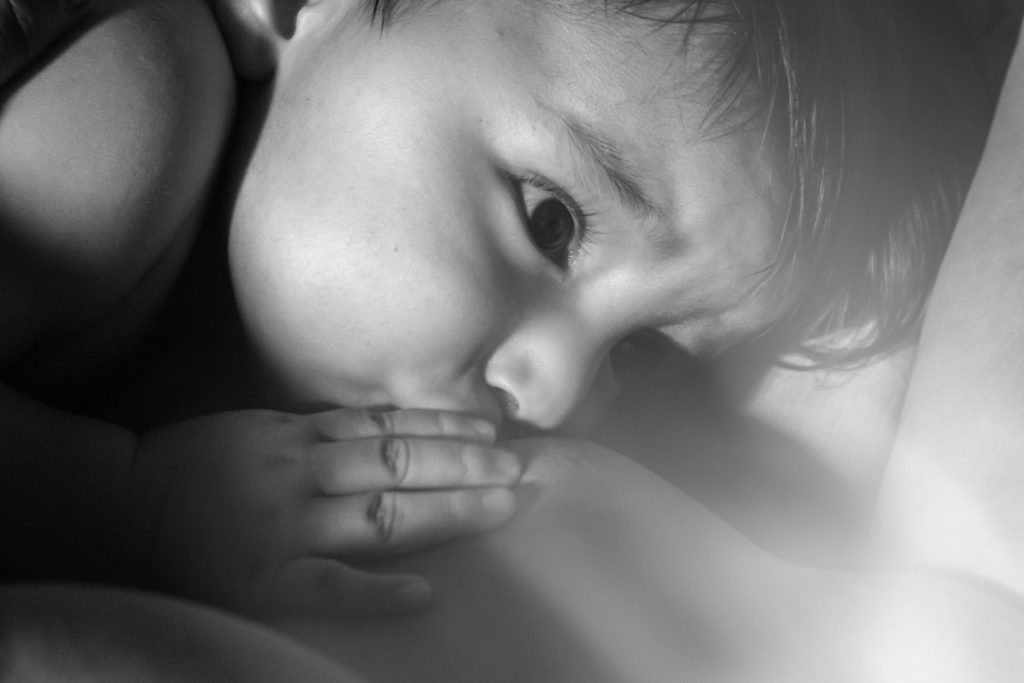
(444, 216)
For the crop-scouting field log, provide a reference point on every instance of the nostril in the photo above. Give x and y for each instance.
(509, 404)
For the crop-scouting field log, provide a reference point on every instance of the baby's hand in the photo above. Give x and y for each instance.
(262, 511)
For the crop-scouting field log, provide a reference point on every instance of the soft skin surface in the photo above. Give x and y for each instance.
(587, 583)
(107, 148)
(952, 492)
(380, 245)
(87, 633)
(610, 574)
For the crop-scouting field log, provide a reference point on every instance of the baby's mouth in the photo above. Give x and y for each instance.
(511, 429)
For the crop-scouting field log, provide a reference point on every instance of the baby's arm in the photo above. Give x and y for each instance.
(61, 477)
(103, 157)
(58, 472)
(266, 512)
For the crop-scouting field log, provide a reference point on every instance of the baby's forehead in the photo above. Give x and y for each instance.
(643, 76)
(599, 43)
(658, 88)
(671, 44)
(658, 54)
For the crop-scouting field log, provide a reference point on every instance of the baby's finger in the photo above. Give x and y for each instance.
(345, 424)
(318, 586)
(394, 522)
(370, 465)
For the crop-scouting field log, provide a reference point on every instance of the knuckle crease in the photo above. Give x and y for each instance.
(394, 453)
(381, 514)
(381, 419)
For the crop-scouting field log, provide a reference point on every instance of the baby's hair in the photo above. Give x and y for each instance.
(875, 113)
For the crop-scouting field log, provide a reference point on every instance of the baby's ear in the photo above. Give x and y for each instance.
(257, 30)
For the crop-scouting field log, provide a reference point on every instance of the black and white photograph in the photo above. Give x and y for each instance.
(512, 341)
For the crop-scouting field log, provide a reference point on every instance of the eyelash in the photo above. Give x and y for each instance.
(584, 232)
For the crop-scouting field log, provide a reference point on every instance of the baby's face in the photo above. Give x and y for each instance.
(470, 210)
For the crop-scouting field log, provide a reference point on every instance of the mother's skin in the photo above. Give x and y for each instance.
(607, 574)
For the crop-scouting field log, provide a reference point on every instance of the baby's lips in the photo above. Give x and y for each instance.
(511, 430)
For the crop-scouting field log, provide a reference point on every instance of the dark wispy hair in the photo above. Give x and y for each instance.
(383, 12)
(876, 112)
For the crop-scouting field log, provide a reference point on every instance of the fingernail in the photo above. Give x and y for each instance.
(500, 503)
(507, 465)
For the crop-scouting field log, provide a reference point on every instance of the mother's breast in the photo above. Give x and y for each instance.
(607, 573)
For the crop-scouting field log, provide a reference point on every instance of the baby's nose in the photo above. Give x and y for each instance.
(547, 377)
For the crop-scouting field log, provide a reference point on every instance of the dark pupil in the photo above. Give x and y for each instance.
(551, 227)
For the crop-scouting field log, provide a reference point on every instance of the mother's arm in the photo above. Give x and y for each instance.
(953, 493)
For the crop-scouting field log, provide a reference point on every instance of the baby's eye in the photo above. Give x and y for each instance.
(552, 229)
(555, 223)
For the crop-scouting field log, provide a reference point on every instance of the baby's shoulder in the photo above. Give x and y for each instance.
(108, 146)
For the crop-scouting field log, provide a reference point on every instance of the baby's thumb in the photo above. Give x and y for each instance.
(28, 27)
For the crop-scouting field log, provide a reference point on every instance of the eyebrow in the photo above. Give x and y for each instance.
(607, 157)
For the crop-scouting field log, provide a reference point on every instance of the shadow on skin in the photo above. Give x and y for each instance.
(88, 633)
(607, 573)
(761, 479)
